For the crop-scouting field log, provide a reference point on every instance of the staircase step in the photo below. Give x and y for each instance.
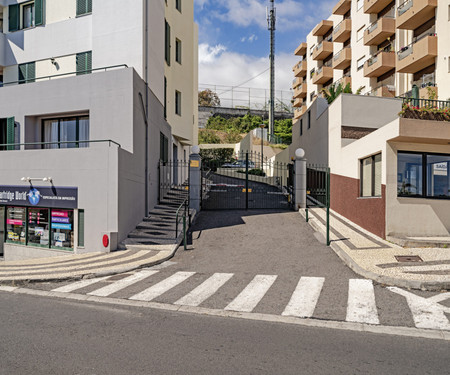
(152, 235)
(147, 241)
(156, 225)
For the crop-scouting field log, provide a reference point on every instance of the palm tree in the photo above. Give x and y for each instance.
(335, 90)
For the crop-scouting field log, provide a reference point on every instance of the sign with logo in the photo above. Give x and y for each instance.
(39, 196)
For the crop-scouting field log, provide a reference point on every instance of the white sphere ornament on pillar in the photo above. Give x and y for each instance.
(195, 149)
(299, 154)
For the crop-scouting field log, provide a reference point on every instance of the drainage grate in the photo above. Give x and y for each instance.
(408, 258)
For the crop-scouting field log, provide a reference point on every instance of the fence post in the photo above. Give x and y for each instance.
(300, 179)
(195, 186)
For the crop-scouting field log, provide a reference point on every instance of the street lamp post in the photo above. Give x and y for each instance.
(262, 146)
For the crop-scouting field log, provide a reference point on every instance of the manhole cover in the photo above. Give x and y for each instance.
(408, 258)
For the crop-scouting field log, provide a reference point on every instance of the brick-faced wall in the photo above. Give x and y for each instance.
(369, 213)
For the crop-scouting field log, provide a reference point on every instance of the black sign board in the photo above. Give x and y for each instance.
(39, 196)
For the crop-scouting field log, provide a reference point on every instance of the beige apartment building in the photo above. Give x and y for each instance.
(380, 47)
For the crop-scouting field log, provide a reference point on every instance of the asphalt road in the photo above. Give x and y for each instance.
(51, 336)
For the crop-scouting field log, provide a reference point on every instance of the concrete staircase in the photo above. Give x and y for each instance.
(159, 227)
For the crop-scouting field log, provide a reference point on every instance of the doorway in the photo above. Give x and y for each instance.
(3, 134)
(175, 165)
(2, 229)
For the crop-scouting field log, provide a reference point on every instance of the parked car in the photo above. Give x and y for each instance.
(239, 164)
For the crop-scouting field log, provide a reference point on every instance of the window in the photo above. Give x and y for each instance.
(360, 63)
(178, 103)
(309, 119)
(178, 5)
(178, 51)
(16, 225)
(25, 15)
(65, 132)
(312, 95)
(163, 148)
(84, 63)
(165, 97)
(80, 228)
(27, 72)
(423, 175)
(359, 4)
(38, 227)
(167, 43)
(371, 176)
(84, 7)
(301, 127)
(62, 229)
(360, 33)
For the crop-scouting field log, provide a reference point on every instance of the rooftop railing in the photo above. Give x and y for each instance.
(78, 144)
(82, 72)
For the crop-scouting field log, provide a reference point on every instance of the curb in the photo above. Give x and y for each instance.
(381, 279)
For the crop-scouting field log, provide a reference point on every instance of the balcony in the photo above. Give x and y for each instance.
(301, 49)
(300, 69)
(322, 50)
(342, 31)
(297, 103)
(380, 63)
(299, 112)
(342, 59)
(322, 28)
(297, 82)
(342, 7)
(344, 81)
(386, 91)
(413, 13)
(300, 91)
(375, 6)
(379, 31)
(418, 55)
(322, 75)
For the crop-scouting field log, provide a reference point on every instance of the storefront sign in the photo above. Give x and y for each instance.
(39, 196)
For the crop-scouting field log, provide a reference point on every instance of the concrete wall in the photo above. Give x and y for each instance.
(443, 59)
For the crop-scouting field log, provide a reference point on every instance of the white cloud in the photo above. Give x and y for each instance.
(218, 66)
(249, 39)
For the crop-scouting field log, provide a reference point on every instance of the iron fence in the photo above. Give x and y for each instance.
(426, 103)
(173, 181)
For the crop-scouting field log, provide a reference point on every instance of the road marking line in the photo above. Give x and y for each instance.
(427, 312)
(121, 284)
(204, 290)
(162, 287)
(253, 293)
(361, 306)
(78, 285)
(304, 299)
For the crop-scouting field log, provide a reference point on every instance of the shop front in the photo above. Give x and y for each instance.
(41, 221)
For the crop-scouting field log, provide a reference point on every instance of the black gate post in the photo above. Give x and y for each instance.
(246, 180)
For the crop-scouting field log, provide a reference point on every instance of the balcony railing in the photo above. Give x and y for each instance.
(403, 7)
(48, 78)
(426, 103)
(78, 144)
(380, 91)
(374, 58)
(408, 50)
(426, 80)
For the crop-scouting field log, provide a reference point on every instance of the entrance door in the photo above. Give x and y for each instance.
(2, 229)
(175, 165)
(3, 133)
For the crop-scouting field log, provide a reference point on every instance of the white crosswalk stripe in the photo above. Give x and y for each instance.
(163, 286)
(121, 284)
(78, 285)
(205, 290)
(361, 306)
(305, 297)
(249, 298)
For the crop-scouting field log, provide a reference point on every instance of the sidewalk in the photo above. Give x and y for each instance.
(83, 266)
(387, 263)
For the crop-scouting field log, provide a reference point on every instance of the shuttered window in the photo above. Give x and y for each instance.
(163, 148)
(38, 12)
(14, 17)
(84, 7)
(10, 133)
(167, 43)
(371, 176)
(27, 72)
(81, 228)
(84, 63)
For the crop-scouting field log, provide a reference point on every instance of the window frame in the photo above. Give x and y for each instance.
(178, 51)
(372, 176)
(23, 6)
(425, 181)
(178, 102)
(178, 5)
(88, 7)
(60, 119)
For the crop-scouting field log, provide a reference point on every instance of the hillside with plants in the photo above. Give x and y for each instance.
(220, 130)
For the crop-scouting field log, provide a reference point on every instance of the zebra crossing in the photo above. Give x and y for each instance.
(361, 303)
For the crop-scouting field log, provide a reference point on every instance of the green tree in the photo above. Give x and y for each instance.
(208, 98)
(207, 136)
(335, 90)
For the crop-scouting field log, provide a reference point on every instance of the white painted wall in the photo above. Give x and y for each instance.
(443, 59)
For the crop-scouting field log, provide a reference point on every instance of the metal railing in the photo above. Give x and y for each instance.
(338, 54)
(426, 80)
(426, 103)
(374, 92)
(183, 214)
(82, 72)
(403, 7)
(57, 143)
(374, 58)
(173, 180)
(408, 49)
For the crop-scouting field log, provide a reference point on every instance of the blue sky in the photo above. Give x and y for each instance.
(234, 40)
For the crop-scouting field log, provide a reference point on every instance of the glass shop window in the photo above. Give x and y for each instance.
(38, 227)
(16, 225)
(62, 235)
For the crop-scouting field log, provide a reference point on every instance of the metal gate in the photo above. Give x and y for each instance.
(251, 181)
(173, 181)
(318, 191)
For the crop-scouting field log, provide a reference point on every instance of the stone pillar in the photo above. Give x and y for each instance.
(195, 179)
(300, 179)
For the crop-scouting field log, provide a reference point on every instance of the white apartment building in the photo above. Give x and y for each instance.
(381, 47)
(73, 163)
